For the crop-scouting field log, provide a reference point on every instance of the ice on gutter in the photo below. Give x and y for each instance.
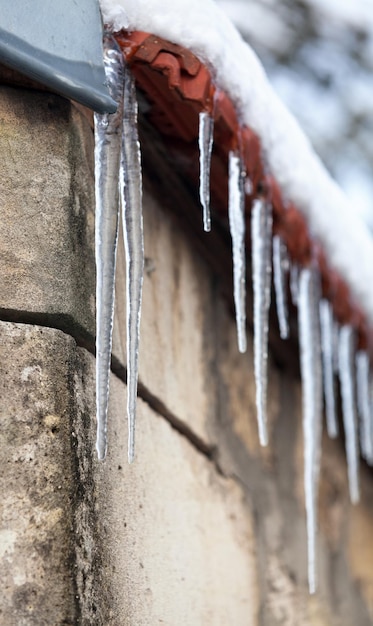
(205, 30)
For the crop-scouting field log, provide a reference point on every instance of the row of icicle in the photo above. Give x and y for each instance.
(325, 349)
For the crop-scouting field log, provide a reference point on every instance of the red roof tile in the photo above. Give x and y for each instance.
(178, 86)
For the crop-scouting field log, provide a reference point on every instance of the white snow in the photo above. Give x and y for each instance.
(352, 13)
(258, 22)
(205, 30)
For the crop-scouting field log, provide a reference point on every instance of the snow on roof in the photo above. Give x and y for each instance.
(205, 30)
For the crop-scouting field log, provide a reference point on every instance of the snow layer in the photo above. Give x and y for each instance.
(205, 30)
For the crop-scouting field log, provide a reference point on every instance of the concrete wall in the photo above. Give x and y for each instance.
(205, 528)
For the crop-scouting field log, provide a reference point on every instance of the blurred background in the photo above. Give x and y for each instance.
(318, 55)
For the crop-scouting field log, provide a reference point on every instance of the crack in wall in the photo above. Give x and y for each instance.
(84, 340)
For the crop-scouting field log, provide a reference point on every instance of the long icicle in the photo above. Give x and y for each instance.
(205, 141)
(280, 271)
(335, 347)
(108, 133)
(294, 283)
(131, 195)
(236, 210)
(310, 360)
(327, 329)
(261, 239)
(346, 377)
(371, 415)
(363, 404)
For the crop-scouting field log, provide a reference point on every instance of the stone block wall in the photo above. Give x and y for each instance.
(205, 528)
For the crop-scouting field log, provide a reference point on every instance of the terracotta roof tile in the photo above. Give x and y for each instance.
(178, 86)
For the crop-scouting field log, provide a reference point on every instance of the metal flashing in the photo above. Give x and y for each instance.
(58, 45)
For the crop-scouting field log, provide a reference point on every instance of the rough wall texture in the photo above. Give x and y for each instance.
(205, 528)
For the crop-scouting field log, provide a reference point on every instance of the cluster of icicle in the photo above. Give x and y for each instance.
(118, 191)
(326, 351)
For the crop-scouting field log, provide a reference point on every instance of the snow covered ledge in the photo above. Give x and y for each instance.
(206, 31)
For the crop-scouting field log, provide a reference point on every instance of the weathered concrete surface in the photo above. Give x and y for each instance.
(274, 479)
(166, 540)
(47, 210)
(176, 539)
(176, 325)
(47, 251)
(176, 536)
(36, 482)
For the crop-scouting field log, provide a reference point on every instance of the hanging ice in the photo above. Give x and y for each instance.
(205, 139)
(346, 377)
(364, 405)
(370, 461)
(131, 196)
(294, 280)
(236, 210)
(108, 136)
(261, 239)
(335, 344)
(280, 271)
(310, 361)
(248, 186)
(327, 329)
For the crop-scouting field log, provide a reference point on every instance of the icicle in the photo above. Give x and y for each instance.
(370, 461)
(131, 195)
(248, 186)
(335, 344)
(280, 270)
(236, 209)
(261, 239)
(363, 403)
(205, 139)
(108, 132)
(310, 360)
(327, 328)
(346, 377)
(294, 283)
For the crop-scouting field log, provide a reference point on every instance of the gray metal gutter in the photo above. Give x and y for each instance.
(58, 44)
